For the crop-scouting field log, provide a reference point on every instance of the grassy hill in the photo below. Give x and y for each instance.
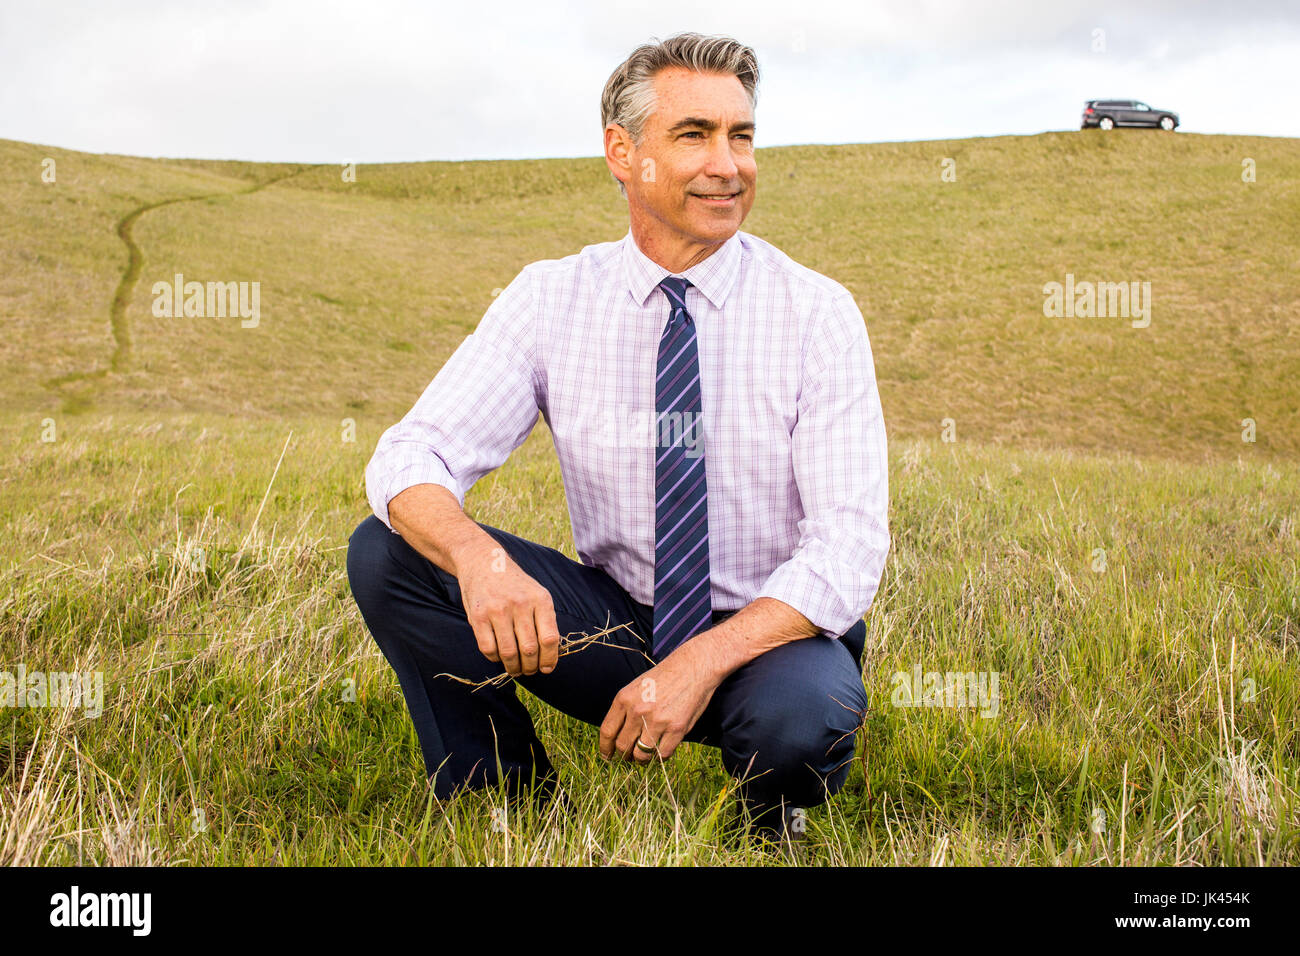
(184, 532)
(367, 286)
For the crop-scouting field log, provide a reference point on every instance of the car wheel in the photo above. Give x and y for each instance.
(1166, 122)
(1105, 123)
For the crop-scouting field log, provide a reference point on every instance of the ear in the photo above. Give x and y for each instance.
(618, 153)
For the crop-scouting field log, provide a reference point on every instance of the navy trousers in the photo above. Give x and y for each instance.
(784, 722)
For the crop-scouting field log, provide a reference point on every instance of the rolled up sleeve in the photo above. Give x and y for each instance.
(841, 468)
(479, 408)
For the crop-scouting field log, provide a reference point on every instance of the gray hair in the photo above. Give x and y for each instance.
(629, 96)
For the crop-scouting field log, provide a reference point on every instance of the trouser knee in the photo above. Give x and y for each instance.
(370, 561)
(799, 752)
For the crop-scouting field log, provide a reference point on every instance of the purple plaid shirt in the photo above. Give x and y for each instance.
(793, 434)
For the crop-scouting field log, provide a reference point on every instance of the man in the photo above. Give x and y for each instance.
(740, 537)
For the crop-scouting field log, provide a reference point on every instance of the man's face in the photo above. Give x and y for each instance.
(693, 176)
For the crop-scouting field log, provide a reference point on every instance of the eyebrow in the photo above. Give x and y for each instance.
(708, 124)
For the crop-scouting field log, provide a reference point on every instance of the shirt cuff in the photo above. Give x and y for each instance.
(799, 585)
(432, 472)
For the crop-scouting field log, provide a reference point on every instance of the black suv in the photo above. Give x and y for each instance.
(1107, 114)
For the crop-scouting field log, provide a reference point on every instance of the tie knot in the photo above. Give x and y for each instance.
(675, 288)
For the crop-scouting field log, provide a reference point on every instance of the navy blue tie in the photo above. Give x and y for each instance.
(682, 601)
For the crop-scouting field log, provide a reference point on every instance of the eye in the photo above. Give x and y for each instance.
(694, 132)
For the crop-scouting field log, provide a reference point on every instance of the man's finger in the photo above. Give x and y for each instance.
(637, 730)
(669, 743)
(486, 640)
(526, 640)
(548, 637)
(609, 729)
(504, 629)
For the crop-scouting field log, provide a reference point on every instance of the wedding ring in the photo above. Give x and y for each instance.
(644, 747)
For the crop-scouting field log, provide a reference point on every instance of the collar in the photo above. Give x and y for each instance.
(714, 276)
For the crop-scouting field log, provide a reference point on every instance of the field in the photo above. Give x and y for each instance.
(1104, 515)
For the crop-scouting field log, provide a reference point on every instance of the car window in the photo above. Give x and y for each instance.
(1141, 106)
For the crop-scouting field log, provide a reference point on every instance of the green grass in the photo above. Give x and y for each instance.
(1147, 700)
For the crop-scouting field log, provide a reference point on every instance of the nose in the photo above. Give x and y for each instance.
(721, 164)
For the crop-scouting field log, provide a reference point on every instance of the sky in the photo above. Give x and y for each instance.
(398, 80)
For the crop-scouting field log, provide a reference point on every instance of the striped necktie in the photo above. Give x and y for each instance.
(682, 599)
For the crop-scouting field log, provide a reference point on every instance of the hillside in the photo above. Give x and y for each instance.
(367, 286)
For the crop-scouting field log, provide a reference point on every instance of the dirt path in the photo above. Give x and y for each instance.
(126, 285)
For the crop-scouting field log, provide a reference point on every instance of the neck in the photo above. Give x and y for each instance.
(676, 253)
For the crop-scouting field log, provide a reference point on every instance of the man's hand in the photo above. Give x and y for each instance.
(662, 705)
(658, 708)
(511, 613)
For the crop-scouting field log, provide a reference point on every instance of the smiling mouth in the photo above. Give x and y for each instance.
(716, 198)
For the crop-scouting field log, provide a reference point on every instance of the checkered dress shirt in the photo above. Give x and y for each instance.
(794, 437)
